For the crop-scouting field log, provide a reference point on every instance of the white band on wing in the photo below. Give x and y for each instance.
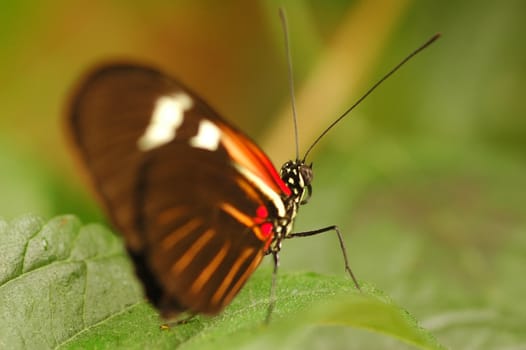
(263, 187)
(167, 116)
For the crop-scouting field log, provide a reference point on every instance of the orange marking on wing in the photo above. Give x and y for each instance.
(218, 295)
(170, 214)
(250, 269)
(185, 260)
(246, 153)
(241, 217)
(178, 234)
(267, 164)
(210, 269)
(248, 189)
(246, 220)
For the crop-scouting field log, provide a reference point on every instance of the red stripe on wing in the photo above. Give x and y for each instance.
(250, 156)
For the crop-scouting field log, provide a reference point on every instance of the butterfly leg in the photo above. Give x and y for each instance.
(178, 322)
(342, 246)
(272, 301)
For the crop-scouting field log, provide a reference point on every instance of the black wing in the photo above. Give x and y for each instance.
(192, 213)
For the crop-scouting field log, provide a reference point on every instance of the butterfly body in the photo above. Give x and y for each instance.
(198, 203)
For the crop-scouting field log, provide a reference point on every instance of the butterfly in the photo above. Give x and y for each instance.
(198, 202)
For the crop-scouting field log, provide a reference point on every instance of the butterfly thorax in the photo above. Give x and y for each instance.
(298, 177)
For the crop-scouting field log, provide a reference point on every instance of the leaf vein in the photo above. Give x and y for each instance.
(125, 309)
(60, 262)
(24, 252)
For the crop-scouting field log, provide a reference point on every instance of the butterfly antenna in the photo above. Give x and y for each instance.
(283, 17)
(391, 72)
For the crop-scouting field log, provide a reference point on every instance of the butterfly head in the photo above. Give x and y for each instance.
(298, 177)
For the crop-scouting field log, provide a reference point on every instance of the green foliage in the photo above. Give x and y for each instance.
(67, 286)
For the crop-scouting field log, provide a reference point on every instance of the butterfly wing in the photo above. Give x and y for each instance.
(192, 195)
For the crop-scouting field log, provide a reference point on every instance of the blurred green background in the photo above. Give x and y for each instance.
(426, 179)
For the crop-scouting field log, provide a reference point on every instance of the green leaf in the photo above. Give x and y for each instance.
(58, 280)
(67, 286)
